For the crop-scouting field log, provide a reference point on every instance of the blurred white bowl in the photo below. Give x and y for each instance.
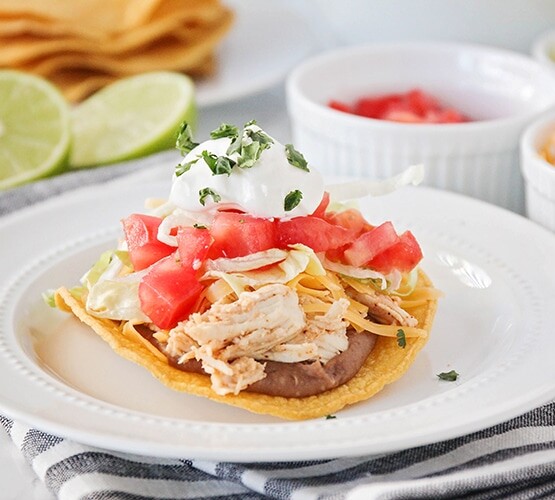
(543, 49)
(539, 174)
(501, 90)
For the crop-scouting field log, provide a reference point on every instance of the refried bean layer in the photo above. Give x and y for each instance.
(297, 380)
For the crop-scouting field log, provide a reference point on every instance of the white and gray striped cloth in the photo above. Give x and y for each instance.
(515, 459)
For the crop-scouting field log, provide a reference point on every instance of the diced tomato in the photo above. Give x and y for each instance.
(350, 219)
(402, 116)
(322, 207)
(193, 246)
(237, 234)
(421, 103)
(340, 106)
(313, 232)
(336, 254)
(168, 292)
(141, 237)
(370, 244)
(375, 107)
(403, 256)
(414, 106)
(448, 115)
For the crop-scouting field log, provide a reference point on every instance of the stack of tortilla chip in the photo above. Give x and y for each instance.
(83, 45)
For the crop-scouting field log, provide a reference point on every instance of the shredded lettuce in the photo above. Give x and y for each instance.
(341, 206)
(407, 284)
(248, 262)
(117, 298)
(79, 292)
(313, 263)
(159, 207)
(48, 297)
(236, 282)
(359, 189)
(123, 256)
(177, 218)
(300, 258)
(355, 272)
(98, 269)
(110, 289)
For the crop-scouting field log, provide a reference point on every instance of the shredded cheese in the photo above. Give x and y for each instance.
(218, 290)
(324, 290)
(362, 324)
(420, 296)
(130, 331)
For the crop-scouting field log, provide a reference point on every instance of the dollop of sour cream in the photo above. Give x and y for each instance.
(259, 190)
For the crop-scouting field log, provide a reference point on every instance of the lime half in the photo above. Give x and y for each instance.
(132, 117)
(34, 129)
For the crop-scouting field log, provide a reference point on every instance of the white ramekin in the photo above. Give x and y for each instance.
(539, 175)
(543, 49)
(502, 90)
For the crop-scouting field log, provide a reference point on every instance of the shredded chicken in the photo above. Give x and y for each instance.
(292, 352)
(331, 322)
(232, 340)
(272, 308)
(228, 337)
(383, 308)
(324, 336)
(179, 345)
(244, 372)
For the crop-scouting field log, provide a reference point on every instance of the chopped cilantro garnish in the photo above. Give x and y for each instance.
(235, 146)
(218, 164)
(249, 154)
(330, 417)
(450, 376)
(184, 167)
(259, 136)
(205, 193)
(292, 200)
(295, 158)
(184, 141)
(210, 159)
(401, 338)
(249, 146)
(224, 130)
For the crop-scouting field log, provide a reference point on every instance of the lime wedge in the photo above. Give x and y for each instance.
(34, 129)
(132, 117)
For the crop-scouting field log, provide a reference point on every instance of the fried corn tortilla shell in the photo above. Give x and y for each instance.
(170, 53)
(77, 84)
(83, 46)
(386, 363)
(94, 16)
(187, 27)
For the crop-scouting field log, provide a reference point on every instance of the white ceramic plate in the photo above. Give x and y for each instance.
(494, 327)
(250, 59)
